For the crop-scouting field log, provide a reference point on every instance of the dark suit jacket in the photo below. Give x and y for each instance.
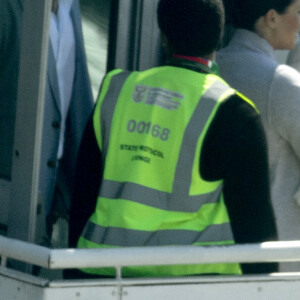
(80, 107)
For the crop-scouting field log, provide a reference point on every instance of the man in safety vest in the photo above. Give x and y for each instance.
(173, 155)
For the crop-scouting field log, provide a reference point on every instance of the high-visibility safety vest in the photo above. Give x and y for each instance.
(150, 128)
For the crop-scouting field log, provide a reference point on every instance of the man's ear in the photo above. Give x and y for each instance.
(271, 18)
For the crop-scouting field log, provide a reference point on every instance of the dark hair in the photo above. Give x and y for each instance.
(246, 12)
(192, 27)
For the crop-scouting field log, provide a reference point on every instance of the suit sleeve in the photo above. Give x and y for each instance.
(235, 150)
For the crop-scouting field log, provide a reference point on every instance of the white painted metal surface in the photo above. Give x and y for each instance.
(136, 256)
(15, 285)
(250, 288)
(21, 286)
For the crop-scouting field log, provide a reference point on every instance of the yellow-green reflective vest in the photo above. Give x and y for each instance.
(150, 128)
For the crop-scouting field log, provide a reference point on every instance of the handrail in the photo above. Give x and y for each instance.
(24, 251)
(137, 256)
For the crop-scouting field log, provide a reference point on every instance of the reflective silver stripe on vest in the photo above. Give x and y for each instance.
(108, 106)
(183, 174)
(154, 198)
(123, 237)
(182, 180)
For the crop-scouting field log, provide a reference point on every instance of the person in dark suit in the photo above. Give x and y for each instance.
(68, 99)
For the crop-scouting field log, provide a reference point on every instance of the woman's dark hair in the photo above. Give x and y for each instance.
(192, 27)
(246, 12)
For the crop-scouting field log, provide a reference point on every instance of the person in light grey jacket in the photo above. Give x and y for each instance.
(248, 64)
(293, 58)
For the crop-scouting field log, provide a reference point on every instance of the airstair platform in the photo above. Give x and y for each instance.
(20, 285)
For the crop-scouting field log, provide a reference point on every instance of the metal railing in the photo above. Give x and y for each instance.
(143, 256)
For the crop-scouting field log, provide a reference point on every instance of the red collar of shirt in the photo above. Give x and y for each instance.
(195, 63)
(200, 60)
